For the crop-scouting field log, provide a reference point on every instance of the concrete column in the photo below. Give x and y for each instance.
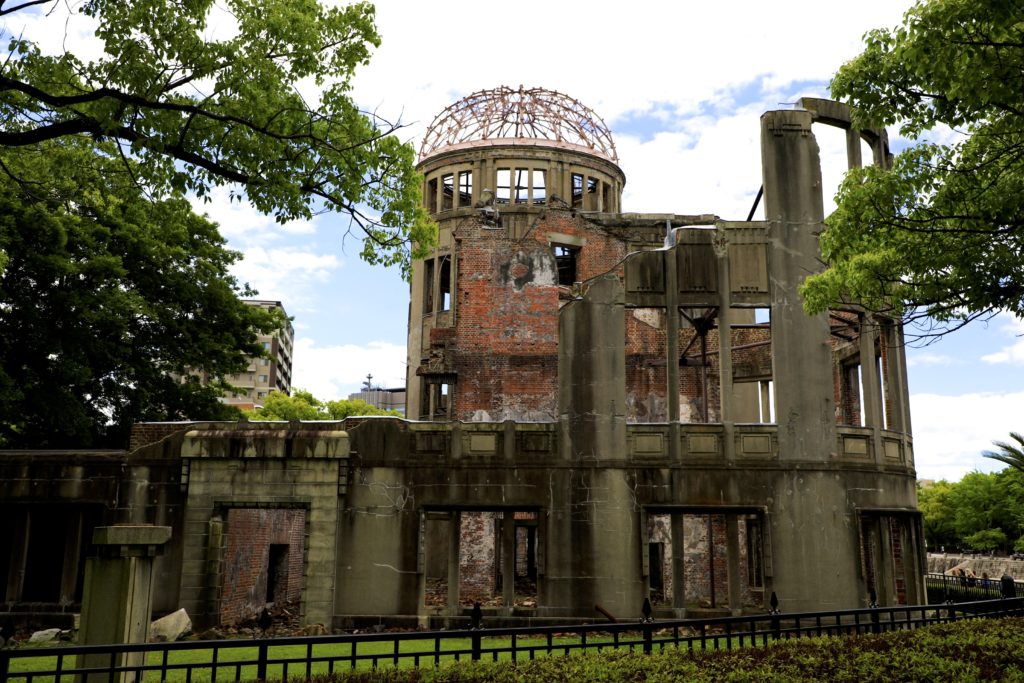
(678, 566)
(725, 384)
(592, 393)
(809, 535)
(672, 352)
(871, 386)
(508, 559)
(895, 378)
(19, 553)
(853, 154)
(732, 554)
(72, 551)
(884, 576)
(116, 607)
(454, 538)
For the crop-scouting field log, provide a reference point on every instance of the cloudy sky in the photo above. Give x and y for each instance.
(681, 85)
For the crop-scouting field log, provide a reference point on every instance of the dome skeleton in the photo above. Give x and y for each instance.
(534, 114)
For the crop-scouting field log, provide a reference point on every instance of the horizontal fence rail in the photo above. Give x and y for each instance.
(303, 657)
(948, 588)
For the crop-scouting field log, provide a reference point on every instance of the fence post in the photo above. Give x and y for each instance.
(5, 662)
(773, 610)
(261, 661)
(476, 623)
(648, 630)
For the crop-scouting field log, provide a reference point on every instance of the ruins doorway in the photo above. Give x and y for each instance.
(485, 556)
(263, 555)
(704, 559)
(891, 547)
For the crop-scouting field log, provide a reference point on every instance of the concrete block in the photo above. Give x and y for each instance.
(171, 627)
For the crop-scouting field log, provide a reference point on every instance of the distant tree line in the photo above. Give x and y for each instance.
(302, 405)
(981, 512)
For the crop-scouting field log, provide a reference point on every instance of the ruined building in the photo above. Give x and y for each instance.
(603, 406)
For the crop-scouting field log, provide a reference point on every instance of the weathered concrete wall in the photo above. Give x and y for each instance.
(262, 465)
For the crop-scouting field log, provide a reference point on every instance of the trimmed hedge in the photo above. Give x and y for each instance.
(978, 650)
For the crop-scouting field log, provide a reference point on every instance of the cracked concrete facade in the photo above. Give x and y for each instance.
(611, 407)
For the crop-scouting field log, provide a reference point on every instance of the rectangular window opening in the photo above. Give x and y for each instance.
(447, 191)
(577, 190)
(504, 186)
(428, 286)
(522, 188)
(445, 283)
(277, 572)
(465, 188)
(432, 195)
(540, 191)
(566, 262)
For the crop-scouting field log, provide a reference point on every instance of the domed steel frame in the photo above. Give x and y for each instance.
(534, 114)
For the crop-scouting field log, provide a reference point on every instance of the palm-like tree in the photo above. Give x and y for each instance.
(1009, 453)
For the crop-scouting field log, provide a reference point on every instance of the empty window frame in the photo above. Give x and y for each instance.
(539, 193)
(428, 286)
(522, 186)
(504, 186)
(465, 188)
(431, 195)
(566, 262)
(577, 190)
(447, 191)
(445, 283)
(435, 403)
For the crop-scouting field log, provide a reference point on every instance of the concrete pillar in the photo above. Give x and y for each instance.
(726, 412)
(813, 554)
(454, 537)
(19, 553)
(672, 352)
(72, 551)
(853, 153)
(592, 393)
(508, 559)
(732, 555)
(118, 593)
(678, 566)
(871, 389)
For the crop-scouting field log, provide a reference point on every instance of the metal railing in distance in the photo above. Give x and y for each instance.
(284, 658)
(946, 588)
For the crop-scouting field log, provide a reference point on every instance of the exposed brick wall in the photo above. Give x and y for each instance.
(250, 534)
(477, 571)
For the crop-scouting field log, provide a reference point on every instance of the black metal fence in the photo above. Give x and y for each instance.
(283, 658)
(946, 588)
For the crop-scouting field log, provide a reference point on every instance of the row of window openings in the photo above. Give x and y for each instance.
(480, 571)
(514, 186)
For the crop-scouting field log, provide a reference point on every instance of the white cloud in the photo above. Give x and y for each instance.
(288, 274)
(951, 432)
(1014, 353)
(923, 358)
(334, 372)
(617, 60)
(241, 223)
